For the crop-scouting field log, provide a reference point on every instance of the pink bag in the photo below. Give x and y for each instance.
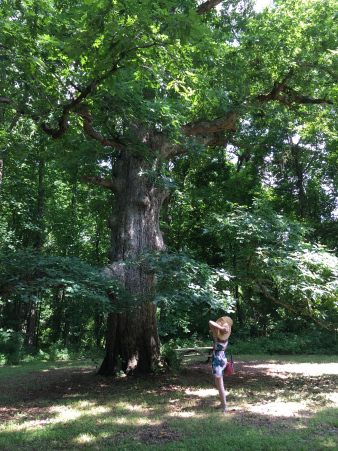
(229, 368)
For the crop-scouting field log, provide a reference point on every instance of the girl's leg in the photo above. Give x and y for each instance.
(221, 391)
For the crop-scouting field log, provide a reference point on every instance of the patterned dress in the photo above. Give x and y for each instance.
(219, 358)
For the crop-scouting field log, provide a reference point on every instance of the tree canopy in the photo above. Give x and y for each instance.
(106, 65)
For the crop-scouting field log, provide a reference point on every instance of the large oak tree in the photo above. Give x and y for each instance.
(151, 82)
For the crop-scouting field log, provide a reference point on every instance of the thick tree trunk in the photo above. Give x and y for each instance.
(66, 334)
(132, 338)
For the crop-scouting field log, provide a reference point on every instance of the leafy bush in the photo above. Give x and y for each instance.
(11, 347)
(310, 342)
(57, 351)
(13, 351)
(37, 357)
(170, 356)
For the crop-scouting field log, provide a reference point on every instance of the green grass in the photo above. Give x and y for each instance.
(290, 358)
(25, 368)
(66, 406)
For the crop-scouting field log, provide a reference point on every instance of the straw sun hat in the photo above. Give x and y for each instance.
(224, 321)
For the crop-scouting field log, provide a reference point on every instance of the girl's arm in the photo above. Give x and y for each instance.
(214, 327)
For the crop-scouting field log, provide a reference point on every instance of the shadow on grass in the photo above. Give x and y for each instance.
(70, 407)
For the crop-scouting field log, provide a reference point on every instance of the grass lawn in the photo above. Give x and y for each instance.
(275, 403)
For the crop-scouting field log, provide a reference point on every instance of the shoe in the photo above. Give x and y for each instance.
(222, 408)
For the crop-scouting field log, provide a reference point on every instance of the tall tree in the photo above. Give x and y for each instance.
(154, 82)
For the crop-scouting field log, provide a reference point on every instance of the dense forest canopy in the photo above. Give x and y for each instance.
(197, 126)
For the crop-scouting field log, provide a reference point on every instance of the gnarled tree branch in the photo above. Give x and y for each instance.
(63, 121)
(206, 6)
(9, 101)
(290, 95)
(203, 126)
(102, 139)
(208, 133)
(106, 183)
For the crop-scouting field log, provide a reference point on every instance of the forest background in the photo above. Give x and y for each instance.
(214, 134)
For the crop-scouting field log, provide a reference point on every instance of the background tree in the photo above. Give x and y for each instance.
(154, 83)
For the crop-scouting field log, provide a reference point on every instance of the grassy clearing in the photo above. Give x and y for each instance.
(310, 359)
(279, 404)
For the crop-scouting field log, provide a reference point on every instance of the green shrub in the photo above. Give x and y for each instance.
(57, 351)
(170, 356)
(11, 347)
(309, 342)
(37, 357)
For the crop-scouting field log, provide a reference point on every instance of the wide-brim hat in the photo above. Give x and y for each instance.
(225, 320)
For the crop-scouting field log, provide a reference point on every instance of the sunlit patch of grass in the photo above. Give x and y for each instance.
(202, 392)
(302, 358)
(332, 398)
(84, 438)
(177, 413)
(329, 443)
(183, 414)
(64, 415)
(279, 408)
(73, 412)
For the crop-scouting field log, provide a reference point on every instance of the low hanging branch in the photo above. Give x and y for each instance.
(106, 183)
(289, 307)
(44, 272)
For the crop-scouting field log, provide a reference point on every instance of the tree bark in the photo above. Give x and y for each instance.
(66, 334)
(31, 324)
(132, 338)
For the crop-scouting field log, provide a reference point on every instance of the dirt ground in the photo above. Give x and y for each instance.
(257, 382)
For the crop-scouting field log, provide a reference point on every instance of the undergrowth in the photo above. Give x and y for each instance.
(13, 349)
